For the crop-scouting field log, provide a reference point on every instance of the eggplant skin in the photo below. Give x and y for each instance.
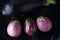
(44, 24)
(14, 29)
(22, 2)
(27, 5)
(30, 27)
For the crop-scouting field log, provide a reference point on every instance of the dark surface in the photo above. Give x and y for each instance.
(51, 11)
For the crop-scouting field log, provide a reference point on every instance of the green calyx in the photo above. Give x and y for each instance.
(28, 19)
(40, 17)
(17, 21)
(48, 2)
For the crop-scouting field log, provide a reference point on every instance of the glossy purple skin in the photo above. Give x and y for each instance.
(44, 24)
(14, 29)
(30, 27)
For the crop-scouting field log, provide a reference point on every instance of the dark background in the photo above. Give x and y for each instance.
(52, 11)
